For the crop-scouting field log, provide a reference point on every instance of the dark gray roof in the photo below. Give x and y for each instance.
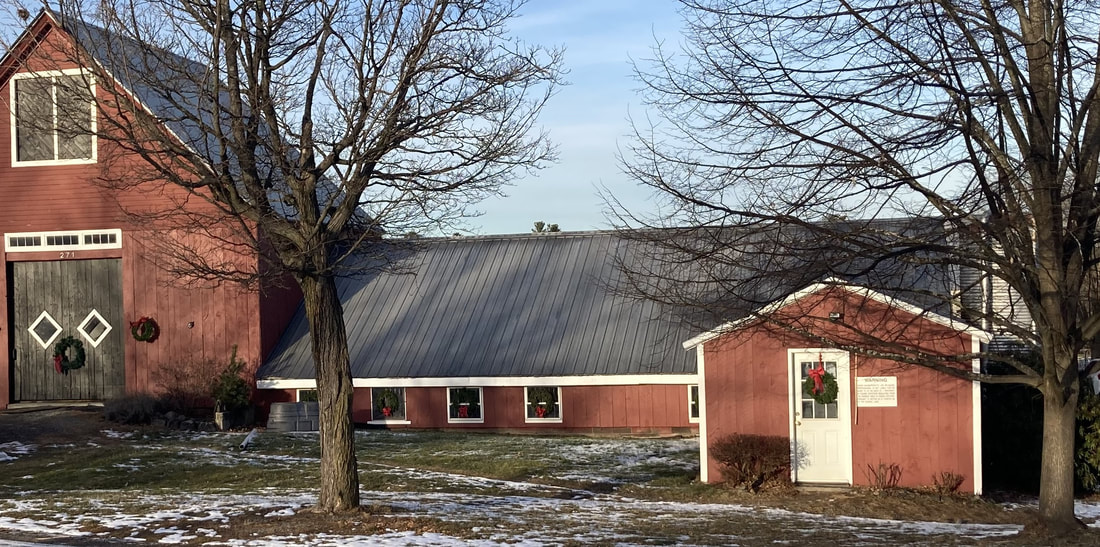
(524, 305)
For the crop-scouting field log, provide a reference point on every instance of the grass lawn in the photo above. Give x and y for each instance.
(440, 489)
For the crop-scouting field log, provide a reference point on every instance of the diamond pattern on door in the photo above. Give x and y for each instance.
(44, 329)
(94, 328)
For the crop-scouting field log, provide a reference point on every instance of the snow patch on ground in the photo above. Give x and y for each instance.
(11, 451)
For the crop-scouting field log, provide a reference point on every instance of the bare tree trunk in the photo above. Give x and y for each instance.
(1056, 478)
(339, 478)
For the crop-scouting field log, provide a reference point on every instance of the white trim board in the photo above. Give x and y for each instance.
(704, 455)
(494, 381)
(976, 418)
(855, 289)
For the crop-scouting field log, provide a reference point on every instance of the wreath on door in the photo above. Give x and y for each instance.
(821, 385)
(68, 354)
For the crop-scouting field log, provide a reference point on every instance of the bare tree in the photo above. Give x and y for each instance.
(778, 122)
(304, 131)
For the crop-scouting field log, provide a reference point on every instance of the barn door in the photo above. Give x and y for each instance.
(821, 432)
(52, 300)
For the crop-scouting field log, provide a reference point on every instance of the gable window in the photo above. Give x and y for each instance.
(543, 404)
(53, 118)
(464, 405)
(693, 404)
(387, 404)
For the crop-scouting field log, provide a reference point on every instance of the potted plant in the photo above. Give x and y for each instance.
(232, 396)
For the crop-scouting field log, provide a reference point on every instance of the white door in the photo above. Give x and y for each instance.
(821, 433)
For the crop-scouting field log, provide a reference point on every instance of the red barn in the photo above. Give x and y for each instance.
(753, 378)
(76, 266)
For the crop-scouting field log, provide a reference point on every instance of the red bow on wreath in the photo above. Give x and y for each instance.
(818, 374)
(541, 411)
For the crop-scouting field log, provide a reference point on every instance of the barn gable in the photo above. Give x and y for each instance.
(77, 266)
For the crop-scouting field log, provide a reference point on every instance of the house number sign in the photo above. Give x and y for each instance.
(877, 391)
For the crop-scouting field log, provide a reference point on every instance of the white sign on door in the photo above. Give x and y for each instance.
(880, 391)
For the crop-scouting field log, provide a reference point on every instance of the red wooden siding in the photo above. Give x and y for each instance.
(929, 431)
(585, 409)
(223, 316)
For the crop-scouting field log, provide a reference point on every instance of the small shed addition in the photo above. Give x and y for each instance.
(887, 413)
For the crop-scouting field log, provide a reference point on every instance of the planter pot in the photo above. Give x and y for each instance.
(235, 419)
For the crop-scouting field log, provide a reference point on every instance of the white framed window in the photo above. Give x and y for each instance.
(70, 240)
(693, 404)
(306, 395)
(465, 405)
(542, 404)
(94, 328)
(53, 118)
(388, 405)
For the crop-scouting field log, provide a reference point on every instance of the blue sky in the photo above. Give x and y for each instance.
(588, 118)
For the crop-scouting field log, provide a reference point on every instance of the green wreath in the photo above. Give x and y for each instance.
(145, 329)
(61, 361)
(537, 395)
(388, 403)
(828, 392)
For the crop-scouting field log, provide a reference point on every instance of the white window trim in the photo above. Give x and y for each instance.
(383, 420)
(480, 405)
(694, 419)
(78, 247)
(298, 395)
(536, 420)
(45, 316)
(14, 140)
(103, 336)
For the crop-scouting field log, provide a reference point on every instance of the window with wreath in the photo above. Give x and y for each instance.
(387, 403)
(693, 403)
(464, 404)
(543, 403)
(54, 117)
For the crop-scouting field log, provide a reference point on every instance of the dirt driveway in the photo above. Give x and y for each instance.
(48, 425)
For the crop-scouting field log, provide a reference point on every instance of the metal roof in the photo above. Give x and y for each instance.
(500, 306)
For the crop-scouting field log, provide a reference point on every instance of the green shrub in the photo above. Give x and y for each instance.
(753, 460)
(132, 409)
(230, 390)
